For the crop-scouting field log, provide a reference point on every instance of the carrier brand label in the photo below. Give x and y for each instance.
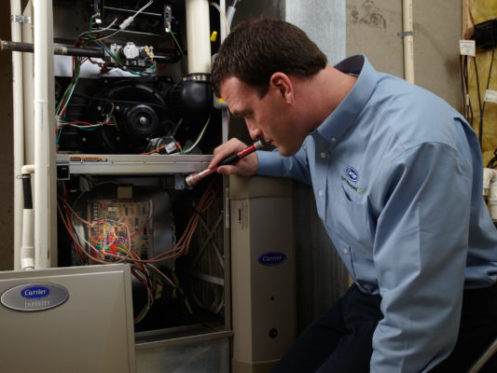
(34, 297)
(352, 174)
(271, 259)
(35, 292)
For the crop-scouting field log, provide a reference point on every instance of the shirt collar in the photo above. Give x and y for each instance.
(336, 124)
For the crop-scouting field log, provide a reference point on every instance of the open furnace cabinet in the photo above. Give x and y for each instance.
(130, 114)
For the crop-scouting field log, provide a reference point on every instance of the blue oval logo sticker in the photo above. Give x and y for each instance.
(33, 297)
(271, 259)
(352, 174)
(35, 292)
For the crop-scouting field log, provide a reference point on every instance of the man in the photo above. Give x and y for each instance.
(397, 177)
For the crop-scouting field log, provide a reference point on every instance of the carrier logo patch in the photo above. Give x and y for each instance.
(352, 174)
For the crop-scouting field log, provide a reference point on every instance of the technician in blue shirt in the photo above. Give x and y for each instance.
(397, 177)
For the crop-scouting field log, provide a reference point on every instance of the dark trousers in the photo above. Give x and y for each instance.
(341, 340)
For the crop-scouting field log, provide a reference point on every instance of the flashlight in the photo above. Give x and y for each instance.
(193, 179)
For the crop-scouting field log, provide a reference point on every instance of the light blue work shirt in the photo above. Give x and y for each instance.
(397, 177)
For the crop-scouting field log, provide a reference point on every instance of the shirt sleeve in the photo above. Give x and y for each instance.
(420, 205)
(274, 164)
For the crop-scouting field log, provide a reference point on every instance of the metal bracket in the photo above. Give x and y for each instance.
(404, 34)
(19, 18)
(63, 172)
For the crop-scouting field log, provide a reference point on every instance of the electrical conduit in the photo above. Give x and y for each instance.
(407, 34)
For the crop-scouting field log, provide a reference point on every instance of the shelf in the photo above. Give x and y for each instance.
(129, 164)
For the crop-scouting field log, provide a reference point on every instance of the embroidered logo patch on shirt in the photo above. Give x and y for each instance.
(352, 174)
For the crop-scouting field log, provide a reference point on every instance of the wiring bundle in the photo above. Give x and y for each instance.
(77, 61)
(108, 113)
(114, 244)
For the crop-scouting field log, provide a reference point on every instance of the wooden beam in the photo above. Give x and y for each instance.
(467, 20)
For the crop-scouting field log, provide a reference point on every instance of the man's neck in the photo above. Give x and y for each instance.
(321, 94)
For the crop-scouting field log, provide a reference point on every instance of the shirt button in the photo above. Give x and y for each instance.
(333, 139)
(323, 155)
(345, 251)
(320, 193)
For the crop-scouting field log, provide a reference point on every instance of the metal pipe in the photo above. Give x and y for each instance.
(407, 34)
(65, 50)
(131, 11)
(58, 49)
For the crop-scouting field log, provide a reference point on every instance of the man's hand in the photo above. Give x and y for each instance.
(246, 166)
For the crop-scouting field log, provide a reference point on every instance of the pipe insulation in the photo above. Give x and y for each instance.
(198, 36)
(18, 130)
(44, 138)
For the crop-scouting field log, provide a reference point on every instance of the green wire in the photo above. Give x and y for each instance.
(58, 137)
(88, 129)
(70, 88)
(176, 42)
(91, 27)
(199, 137)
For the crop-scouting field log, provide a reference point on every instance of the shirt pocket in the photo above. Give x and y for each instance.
(353, 217)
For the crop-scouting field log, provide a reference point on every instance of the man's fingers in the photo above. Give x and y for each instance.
(224, 150)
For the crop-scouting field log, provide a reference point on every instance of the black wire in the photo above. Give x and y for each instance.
(471, 113)
(462, 66)
(480, 128)
(177, 127)
(466, 78)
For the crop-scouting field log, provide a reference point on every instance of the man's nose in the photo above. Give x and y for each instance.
(255, 133)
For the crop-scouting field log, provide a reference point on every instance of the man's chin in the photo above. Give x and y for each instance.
(285, 151)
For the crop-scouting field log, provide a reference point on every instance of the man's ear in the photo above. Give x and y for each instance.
(282, 83)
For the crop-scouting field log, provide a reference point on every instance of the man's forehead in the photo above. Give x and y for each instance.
(235, 92)
(230, 84)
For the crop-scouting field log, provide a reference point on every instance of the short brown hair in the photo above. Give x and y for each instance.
(257, 48)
